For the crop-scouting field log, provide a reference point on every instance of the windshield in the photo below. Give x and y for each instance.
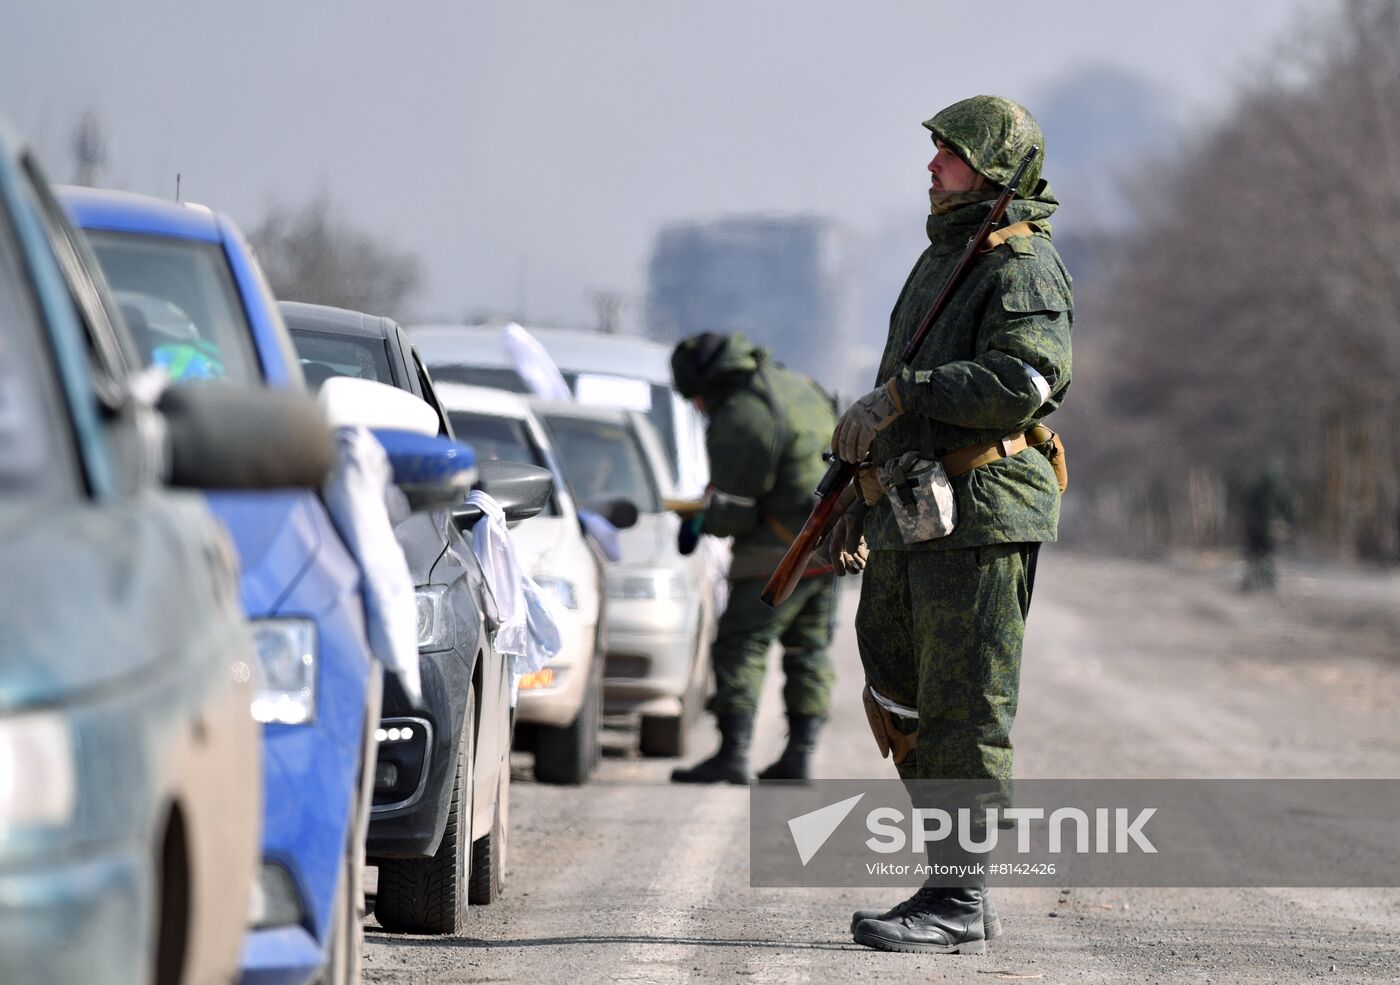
(652, 399)
(499, 438)
(603, 461)
(324, 355)
(179, 299)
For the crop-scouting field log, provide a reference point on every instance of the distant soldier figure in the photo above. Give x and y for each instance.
(1268, 511)
(942, 614)
(768, 427)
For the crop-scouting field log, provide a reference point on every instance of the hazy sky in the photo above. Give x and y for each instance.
(549, 139)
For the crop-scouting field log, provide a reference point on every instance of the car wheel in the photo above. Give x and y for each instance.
(568, 753)
(489, 851)
(429, 895)
(663, 735)
(668, 735)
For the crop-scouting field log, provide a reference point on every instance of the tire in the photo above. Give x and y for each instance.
(663, 736)
(488, 879)
(667, 736)
(567, 754)
(429, 895)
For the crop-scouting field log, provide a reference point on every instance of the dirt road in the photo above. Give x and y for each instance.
(1131, 670)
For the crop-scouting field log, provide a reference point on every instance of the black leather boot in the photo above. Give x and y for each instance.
(731, 763)
(991, 920)
(796, 761)
(937, 920)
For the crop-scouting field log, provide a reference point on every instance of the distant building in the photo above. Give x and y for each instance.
(783, 281)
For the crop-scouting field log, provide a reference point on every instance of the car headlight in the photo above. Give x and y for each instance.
(434, 628)
(645, 585)
(286, 692)
(38, 787)
(562, 589)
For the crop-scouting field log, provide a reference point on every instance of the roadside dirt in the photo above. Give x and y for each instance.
(1132, 669)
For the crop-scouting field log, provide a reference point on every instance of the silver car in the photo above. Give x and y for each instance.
(660, 615)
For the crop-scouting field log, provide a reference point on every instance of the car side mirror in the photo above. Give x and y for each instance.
(229, 437)
(621, 513)
(433, 473)
(522, 490)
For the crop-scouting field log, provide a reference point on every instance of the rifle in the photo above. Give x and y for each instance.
(833, 493)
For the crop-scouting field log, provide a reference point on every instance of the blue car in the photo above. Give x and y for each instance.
(196, 304)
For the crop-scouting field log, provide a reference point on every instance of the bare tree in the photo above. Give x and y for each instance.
(1255, 312)
(313, 254)
(608, 306)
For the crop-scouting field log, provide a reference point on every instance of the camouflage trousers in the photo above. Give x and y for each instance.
(941, 631)
(802, 624)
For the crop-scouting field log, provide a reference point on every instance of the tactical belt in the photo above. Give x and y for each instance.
(960, 461)
(963, 460)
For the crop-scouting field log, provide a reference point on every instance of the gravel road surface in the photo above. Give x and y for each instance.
(1132, 669)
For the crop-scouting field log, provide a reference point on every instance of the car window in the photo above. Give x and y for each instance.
(325, 354)
(603, 461)
(499, 438)
(179, 301)
(36, 451)
(109, 362)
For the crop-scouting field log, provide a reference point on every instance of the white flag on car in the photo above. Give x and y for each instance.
(534, 364)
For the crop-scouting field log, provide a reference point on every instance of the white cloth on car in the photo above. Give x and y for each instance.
(355, 495)
(527, 633)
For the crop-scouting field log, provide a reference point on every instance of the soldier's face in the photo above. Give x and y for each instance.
(951, 173)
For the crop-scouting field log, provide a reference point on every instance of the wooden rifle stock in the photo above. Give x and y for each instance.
(830, 502)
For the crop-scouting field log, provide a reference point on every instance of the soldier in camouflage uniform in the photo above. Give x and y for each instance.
(940, 623)
(1268, 510)
(768, 427)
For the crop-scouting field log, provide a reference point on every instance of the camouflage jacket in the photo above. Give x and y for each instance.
(970, 384)
(762, 471)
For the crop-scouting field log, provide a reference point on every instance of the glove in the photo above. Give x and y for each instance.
(864, 419)
(846, 541)
(689, 534)
(871, 491)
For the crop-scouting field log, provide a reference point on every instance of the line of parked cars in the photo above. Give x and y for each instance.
(200, 745)
(627, 435)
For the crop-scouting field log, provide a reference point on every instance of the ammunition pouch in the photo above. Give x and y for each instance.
(921, 497)
(1052, 446)
(889, 738)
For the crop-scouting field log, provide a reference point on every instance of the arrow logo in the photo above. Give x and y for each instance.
(810, 831)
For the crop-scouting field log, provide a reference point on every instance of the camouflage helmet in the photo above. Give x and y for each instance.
(992, 134)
